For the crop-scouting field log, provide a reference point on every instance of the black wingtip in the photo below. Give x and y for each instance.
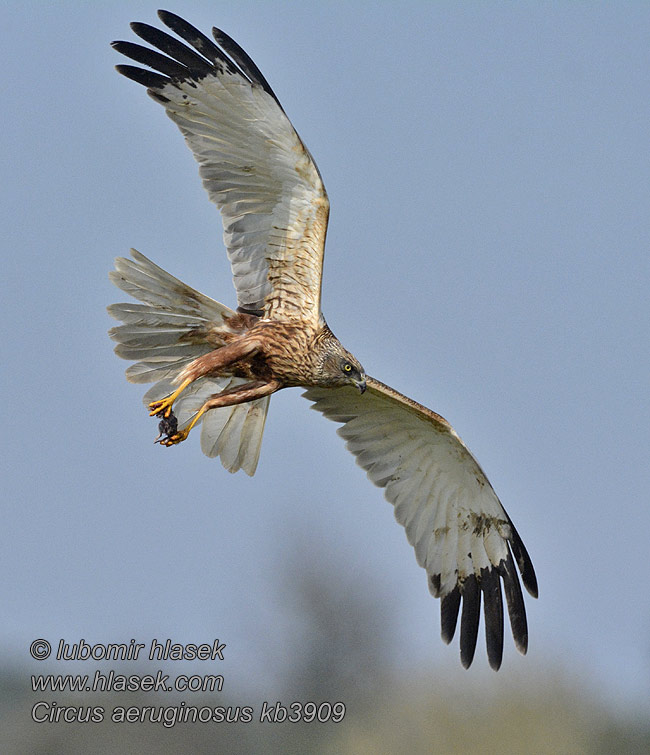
(202, 44)
(148, 79)
(469, 619)
(493, 613)
(434, 585)
(524, 563)
(515, 603)
(243, 60)
(449, 607)
(196, 65)
(172, 19)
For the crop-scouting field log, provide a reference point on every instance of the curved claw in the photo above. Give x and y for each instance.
(163, 408)
(172, 440)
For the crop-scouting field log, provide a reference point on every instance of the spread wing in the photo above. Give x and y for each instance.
(254, 165)
(460, 531)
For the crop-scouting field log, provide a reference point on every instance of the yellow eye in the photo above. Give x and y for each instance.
(347, 367)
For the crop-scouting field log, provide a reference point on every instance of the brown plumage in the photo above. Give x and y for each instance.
(269, 355)
(212, 365)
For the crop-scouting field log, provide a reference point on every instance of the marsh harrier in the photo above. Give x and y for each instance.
(217, 366)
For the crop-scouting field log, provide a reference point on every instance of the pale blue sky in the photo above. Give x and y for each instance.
(488, 168)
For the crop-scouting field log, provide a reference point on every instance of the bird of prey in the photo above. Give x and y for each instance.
(217, 366)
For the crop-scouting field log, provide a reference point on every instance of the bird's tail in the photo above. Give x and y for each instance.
(165, 333)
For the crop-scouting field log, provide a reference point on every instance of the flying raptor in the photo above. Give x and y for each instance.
(218, 367)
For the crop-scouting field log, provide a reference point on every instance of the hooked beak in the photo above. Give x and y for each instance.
(361, 385)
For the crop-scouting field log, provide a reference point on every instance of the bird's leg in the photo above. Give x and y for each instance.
(238, 395)
(212, 362)
(163, 408)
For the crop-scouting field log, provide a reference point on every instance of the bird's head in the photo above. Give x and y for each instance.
(340, 368)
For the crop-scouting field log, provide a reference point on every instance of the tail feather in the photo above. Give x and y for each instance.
(149, 370)
(165, 333)
(250, 439)
(149, 335)
(173, 350)
(237, 437)
(145, 281)
(131, 313)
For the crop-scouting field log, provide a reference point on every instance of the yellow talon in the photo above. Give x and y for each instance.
(163, 408)
(178, 437)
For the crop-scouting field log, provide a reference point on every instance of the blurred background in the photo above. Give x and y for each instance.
(488, 170)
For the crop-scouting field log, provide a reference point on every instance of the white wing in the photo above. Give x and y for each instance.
(460, 531)
(252, 162)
